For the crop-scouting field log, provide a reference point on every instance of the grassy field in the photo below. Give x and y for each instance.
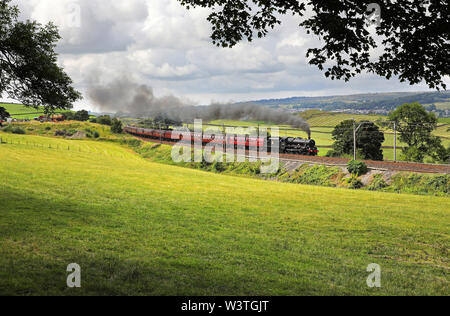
(321, 118)
(17, 111)
(137, 227)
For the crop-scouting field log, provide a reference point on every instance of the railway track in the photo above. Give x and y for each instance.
(378, 165)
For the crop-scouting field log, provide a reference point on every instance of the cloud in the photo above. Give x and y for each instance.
(163, 45)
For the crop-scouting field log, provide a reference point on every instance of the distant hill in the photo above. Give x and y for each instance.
(380, 103)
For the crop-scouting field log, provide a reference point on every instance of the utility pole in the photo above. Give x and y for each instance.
(354, 140)
(224, 139)
(395, 141)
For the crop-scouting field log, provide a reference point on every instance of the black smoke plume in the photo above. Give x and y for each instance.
(138, 101)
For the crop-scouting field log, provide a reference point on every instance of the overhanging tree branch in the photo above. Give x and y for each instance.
(415, 34)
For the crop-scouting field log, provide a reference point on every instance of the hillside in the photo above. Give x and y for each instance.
(19, 111)
(137, 227)
(378, 102)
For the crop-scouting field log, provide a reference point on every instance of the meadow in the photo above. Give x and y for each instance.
(139, 227)
(18, 111)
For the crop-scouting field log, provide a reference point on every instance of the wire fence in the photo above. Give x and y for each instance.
(13, 141)
(73, 148)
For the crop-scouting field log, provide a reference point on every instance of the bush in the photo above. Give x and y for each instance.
(313, 175)
(104, 120)
(18, 130)
(116, 126)
(81, 116)
(132, 142)
(353, 182)
(377, 183)
(358, 168)
(413, 154)
(420, 184)
(69, 116)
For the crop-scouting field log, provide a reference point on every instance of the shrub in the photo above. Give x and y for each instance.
(313, 175)
(132, 142)
(353, 182)
(116, 126)
(358, 168)
(413, 154)
(377, 183)
(104, 120)
(420, 184)
(18, 130)
(81, 116)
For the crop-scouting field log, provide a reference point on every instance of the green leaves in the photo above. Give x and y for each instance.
(369, 140)
(28, 63)
(415, 38)
(416, 125)
(3, 113)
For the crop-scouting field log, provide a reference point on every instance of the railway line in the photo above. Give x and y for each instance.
(377, 165)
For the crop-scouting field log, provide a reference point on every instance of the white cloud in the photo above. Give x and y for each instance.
(160, 43)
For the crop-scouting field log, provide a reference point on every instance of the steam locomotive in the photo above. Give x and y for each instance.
(286, 145)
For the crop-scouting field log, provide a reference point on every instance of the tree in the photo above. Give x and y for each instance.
(104, 120)
(369, 140)
(82, 116)
(116, 126)
(415, 126)
(28, 63)
(416, 41)
(3, 114)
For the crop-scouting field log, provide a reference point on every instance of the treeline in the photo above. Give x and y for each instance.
(83, 116)
(415, 126)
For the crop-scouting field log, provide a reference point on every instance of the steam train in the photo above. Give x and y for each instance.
(286, 145)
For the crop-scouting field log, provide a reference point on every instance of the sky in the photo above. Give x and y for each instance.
(161, 44)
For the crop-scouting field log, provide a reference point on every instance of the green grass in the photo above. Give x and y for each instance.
(323, 118)
(20, 109)
(138, 227)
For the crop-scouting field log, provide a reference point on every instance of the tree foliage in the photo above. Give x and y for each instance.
(416, 125)
(3, 113)
(369, 140)
(357, 168)
(104, 120)
(415, 37)
(81, 116)
(116, 126)
(28, 63)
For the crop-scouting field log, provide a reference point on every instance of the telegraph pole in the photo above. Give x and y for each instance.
(395, 141)
(354, 140)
